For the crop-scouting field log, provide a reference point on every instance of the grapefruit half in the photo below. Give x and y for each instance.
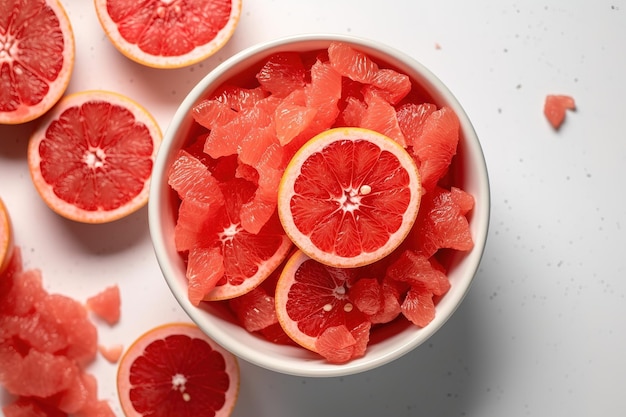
(36, 58)
(176, 370)
(91, 158)
(349, 197)
(168, 34)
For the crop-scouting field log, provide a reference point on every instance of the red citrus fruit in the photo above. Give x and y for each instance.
(176, 370)
(315, 308)
(36, 58)
(349, 197)
(168, 34)
(91, 158)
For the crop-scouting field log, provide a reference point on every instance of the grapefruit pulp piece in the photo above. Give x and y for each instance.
(36, 58)
(555, 107)
(91, 158)
(176, 370)
(314, 307)
(106, 304)
(349, 197)
(168, 34)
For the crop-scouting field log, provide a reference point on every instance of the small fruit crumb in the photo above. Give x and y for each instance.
(111, 353)
(106, 304)
(555, 107)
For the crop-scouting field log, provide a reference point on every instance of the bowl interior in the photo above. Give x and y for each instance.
(388, 342)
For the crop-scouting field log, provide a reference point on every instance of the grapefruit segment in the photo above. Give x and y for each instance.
(91, 159)
(349, 197)
(175, 369)
(411, 118)
(441, 223)
(111, 353)
(255, 309)
(555, 107)
(418, 306)
(381, 116)
(37, 44)
(166, 34)
(436, 146)
(281, 74)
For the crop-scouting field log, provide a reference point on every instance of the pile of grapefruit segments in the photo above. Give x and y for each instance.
(317, 202)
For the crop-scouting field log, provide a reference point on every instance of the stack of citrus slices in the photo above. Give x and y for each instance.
(318, 200)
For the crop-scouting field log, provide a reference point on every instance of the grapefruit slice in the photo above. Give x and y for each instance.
(91, 158)
(555, 107)
(6, 237)
(314, 307)
(106, 304)
(168, 34)
(176, 370)
(36, 58)
(349, 197)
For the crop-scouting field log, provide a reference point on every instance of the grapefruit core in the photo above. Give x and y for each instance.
(91, 158)
(36, 58)
(176, 370)
(168, 33)
(349, 197)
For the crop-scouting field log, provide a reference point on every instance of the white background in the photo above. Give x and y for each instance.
(541, 331)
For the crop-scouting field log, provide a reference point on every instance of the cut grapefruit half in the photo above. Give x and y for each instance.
(36, 58)
(6, 237)
(91, 158)
(168, 34)
(349, 197)
(176, 370)
(315, 309)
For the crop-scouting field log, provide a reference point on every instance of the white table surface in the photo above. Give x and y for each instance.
(541, 331)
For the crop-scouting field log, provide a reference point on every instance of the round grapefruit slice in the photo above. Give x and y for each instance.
(176, 370)
(6, 237)
(36, 58)
(166, 33)
(349, 197)
(315, 309)
(91, 158)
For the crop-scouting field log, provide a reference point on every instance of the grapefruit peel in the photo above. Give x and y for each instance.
(37, 80)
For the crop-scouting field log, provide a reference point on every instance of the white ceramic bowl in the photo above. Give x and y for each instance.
(388, 344)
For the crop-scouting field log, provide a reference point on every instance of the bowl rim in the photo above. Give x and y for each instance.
(307, 367)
